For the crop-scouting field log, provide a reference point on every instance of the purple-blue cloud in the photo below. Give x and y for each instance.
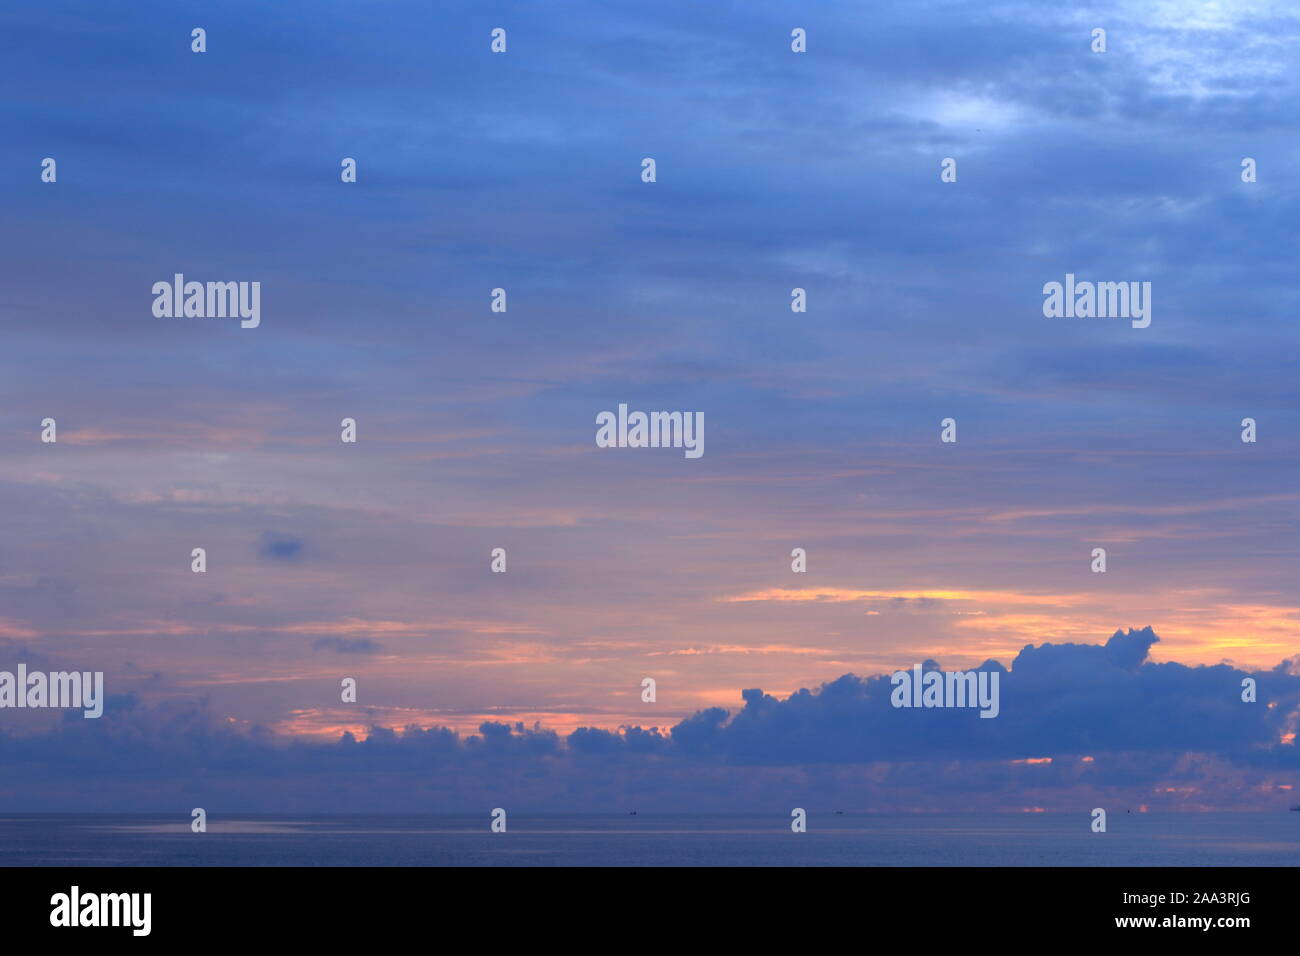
(1145, 726)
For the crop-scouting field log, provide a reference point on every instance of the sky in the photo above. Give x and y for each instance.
(476, 429)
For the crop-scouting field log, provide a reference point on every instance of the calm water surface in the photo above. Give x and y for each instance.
(1209, 839)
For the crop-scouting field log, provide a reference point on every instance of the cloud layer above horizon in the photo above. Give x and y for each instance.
(1079, 725)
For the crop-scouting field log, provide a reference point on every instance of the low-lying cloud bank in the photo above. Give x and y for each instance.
(1079, 726)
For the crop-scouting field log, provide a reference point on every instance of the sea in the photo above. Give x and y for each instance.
(650, 839)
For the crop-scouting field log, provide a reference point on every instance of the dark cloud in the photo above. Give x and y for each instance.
(1056, 699)
(1142, 723)
(280, 547)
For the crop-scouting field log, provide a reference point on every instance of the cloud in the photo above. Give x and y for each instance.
(1110, 720)
(343, 645)
(280, 547)
(1055, 699)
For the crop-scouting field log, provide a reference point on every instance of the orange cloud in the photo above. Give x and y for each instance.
(834, 595)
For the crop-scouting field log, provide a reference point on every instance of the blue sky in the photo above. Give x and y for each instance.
(775, 170)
